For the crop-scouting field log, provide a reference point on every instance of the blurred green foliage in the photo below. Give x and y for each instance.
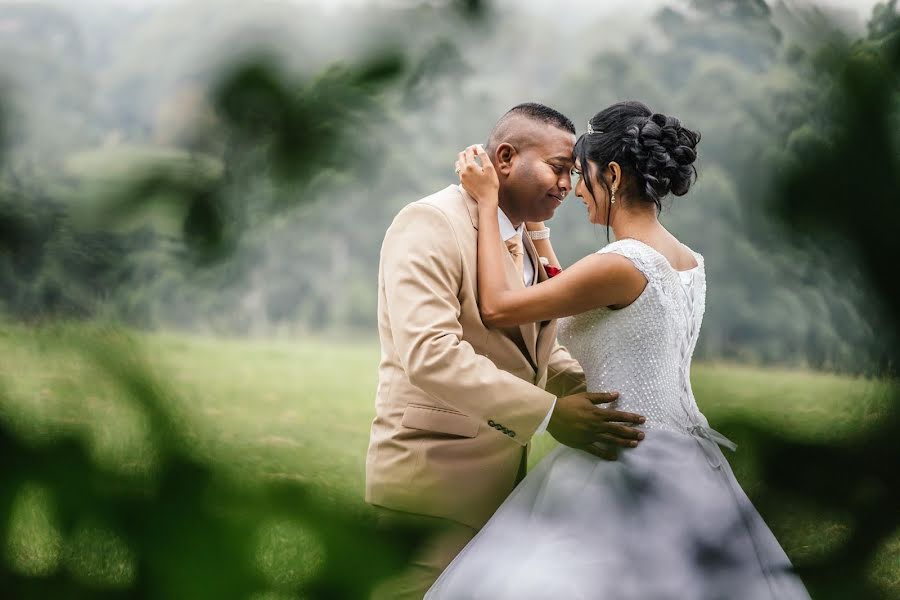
(837, 183)
(180, 529)
(185, 529)
(299, 412)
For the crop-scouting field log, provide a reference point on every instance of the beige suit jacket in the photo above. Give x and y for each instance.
(457, 402)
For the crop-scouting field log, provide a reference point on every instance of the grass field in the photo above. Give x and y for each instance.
(301, 410)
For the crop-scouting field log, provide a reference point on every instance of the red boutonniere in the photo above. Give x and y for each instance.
(551, 270)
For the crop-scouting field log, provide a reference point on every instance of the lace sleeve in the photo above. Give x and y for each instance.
(643, 260)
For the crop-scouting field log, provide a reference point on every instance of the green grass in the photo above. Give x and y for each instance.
(302, 409)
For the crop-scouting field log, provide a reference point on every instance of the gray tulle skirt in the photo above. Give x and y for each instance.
(667, 520)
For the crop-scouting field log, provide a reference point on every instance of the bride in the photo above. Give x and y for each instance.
(668, 519)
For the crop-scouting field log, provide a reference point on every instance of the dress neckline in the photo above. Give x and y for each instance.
(698, 257)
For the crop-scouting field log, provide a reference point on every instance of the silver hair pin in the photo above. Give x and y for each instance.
(591, 129)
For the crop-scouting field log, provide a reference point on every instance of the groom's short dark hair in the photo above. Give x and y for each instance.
(534, 112)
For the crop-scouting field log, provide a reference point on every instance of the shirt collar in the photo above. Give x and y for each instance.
(507, 231)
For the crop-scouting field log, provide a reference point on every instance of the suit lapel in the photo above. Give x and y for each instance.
(545, 332)
(528, 331)
(514, 281)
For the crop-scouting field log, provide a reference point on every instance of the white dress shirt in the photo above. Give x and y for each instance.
(507, 231)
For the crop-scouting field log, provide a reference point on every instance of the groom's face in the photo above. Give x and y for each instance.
(538, 176)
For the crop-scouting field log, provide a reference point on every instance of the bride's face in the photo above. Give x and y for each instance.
(596, 205)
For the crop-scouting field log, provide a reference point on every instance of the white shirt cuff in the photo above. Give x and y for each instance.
(543, 426)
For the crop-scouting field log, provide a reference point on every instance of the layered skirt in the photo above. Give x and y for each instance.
(667, 520)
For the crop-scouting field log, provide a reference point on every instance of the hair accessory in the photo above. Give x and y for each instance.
(591, 129)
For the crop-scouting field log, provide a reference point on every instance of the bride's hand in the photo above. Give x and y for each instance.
(480, 181)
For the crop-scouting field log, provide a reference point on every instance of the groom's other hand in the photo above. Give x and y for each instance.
(579, 423)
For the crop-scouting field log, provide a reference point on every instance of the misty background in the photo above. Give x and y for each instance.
(99, 90)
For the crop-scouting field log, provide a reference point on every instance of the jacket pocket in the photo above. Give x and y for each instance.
(431, 418)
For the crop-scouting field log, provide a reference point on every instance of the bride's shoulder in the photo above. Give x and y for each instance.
(697, 256)
(640, 255)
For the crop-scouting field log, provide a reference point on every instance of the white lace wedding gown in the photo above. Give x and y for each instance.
(668, 519)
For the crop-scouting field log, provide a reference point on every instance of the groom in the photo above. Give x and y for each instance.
(458, 403)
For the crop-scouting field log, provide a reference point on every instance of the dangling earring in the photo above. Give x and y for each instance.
(613, 199)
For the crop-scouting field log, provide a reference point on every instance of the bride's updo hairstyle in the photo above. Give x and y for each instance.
(655, 152)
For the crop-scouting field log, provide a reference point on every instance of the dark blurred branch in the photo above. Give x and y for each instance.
(291, 132)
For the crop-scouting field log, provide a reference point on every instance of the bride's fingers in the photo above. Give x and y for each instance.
(470, 156)
(483, 157)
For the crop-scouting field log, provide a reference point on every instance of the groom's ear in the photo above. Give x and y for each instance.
(504, 156)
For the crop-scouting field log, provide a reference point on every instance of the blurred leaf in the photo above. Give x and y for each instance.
(188, 531)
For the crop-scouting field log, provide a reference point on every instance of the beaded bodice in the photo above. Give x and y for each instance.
(644, 350)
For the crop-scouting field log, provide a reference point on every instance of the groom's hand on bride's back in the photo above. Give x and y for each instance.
(579, 423)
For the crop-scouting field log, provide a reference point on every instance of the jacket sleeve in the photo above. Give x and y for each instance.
(422, 270)
(564, 375)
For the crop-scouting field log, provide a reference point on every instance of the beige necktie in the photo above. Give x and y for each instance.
(514, 245)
